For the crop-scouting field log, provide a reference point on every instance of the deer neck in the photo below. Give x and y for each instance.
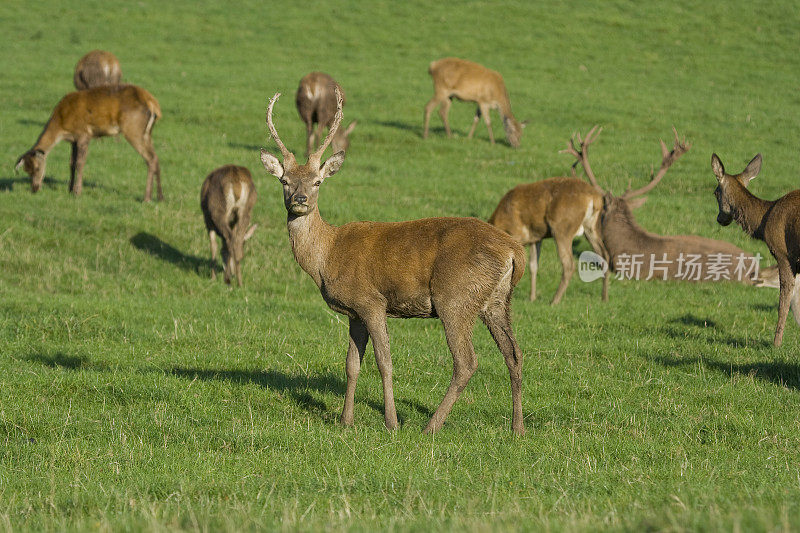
(749, 211)
(49, 137)
(311, 239)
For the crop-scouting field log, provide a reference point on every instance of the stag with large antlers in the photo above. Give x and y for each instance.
(561, 208)
(777, 223)
(456, 269)
(638, 254)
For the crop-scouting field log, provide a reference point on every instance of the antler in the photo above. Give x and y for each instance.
(581, 153)
(667, 158)
(288, 157)
(316, 157)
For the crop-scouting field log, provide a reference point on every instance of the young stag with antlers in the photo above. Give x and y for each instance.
(561, 208)
(680, 257)
(456, 269)
(97, 68)
(316, 103)
(227, 198)
(777, 223)
(471, 82)
(85, 115)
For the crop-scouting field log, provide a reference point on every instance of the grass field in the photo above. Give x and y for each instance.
(137, 394)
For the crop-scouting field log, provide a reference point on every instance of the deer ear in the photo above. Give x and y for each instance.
(751, 170)
(19, 163)
(272, 164)
(636, 203)
(250, 231)
(717, 167)
(332, 165)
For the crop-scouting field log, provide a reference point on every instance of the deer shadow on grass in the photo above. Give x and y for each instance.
(690, 326)
(61, 360)
(781, 373)
(166, 252)
(298, 386)
(7, 184)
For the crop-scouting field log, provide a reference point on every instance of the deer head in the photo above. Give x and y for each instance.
(727, 183)
(301, 182)
(33, 162)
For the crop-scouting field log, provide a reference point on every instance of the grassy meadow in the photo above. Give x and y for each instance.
(135, 394)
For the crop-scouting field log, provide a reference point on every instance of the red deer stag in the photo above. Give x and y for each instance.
(316, 103)
(227, 198)
(456, 269)
(471, 82)
(97, 68)
(561, 208)
(85, 115)
(777, 223)
(638, 254)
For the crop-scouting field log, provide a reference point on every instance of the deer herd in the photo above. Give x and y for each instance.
(452, 268)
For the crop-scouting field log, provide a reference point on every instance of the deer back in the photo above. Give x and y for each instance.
(469, 81)
(100, 111)
(97, 68)
(227, 198)
(316, 98)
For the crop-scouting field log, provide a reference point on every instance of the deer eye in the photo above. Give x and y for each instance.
(317, 183)
(284, 182)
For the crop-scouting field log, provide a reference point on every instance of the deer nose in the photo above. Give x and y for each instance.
(301, 198)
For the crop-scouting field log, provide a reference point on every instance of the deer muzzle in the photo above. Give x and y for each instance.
(724, 219)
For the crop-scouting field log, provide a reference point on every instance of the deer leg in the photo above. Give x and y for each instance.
(376, 327)
(484, 109)
(533, 265)
(433, 102)
(564, 247)
(355, 354)
(497, 318)
(82, 148)
(143, 144)
(444, 110)
(458, 331)
(72, 160)
(474, 123)
(212, 238)
(787, 288)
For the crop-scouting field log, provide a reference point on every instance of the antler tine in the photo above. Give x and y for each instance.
(667, 158)
(581, 154)
(287, 155)
(337, 119)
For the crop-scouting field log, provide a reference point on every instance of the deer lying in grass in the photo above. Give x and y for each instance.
(471, 82)
(456, 269)
(227, 198)
(561, 208)
(85, 115)
(97, 68)
(316, 103)
(638, 254)
(777, 223)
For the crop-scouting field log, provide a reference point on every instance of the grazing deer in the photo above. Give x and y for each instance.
(456, 269)
(777, 223)
(227, 198)
(471, 82)
(85, 115)
(316, 103)
(637, 253)
(97, 68)
(561, 208)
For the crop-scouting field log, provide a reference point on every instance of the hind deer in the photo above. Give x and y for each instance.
(678, 257)
(561, 208)
(85, 115)
(777, 223)
(471, 82)
(226, 199)
(97, 68)
(316, 103)
(456, 269)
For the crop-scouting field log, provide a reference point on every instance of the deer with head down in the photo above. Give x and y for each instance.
(471, 82)
(678, 257)
(777, 223)
(562, 208)
(97, 68)
(85, 115)
(316, 104)
(226, 199)
(456, 269)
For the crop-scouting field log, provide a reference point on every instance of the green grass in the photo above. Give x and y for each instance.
(137, 394)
